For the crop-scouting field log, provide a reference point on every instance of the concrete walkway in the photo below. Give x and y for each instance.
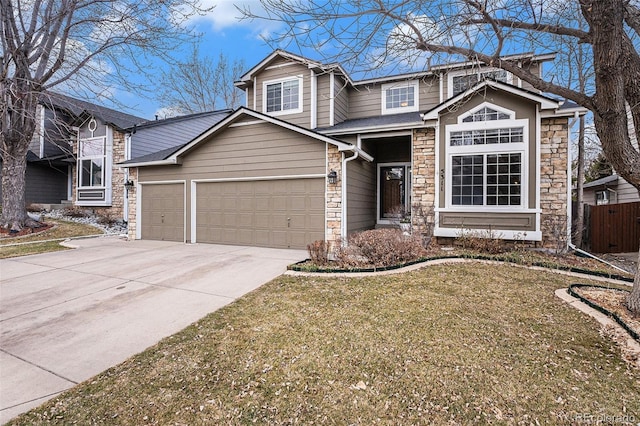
(67, 316)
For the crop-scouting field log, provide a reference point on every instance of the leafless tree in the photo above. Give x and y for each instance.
(484, 30)
(201, 84)
(87, 45)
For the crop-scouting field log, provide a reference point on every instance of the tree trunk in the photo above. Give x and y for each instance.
(14, 213)
(633, 300)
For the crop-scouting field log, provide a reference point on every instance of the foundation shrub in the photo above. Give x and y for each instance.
(75, 211)
(481, 240)
(107, 218)
(379, 247)
(318, 252)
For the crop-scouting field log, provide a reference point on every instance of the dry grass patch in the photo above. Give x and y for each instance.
(449, 344)
(61, 230)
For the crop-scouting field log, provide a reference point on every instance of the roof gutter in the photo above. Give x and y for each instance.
(168, 161)
(358, 152)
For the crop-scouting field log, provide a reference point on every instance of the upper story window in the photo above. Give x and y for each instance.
(283, 96)
(486, 114)
(459, 81)
(91, 162)
(400, 97)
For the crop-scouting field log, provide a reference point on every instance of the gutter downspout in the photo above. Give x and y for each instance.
(343, 221)
(569, 174)
(586, 253)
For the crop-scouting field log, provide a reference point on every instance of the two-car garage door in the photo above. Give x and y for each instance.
(286, 213)
(282, 213)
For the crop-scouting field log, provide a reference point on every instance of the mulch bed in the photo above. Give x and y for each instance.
(4, 233)
(613, 300)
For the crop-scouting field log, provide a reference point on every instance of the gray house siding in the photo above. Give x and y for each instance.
(361, 196)
(341, 102)
(365, 100)
(282, 69)
(324, 95)
(46, 184)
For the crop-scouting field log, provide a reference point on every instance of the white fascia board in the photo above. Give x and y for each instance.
(168, 161)
(569, 112)
(517, 57)
(242, 111)
(375, 129)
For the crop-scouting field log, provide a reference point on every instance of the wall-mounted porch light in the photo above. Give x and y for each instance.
(332, 177)
(128, 184)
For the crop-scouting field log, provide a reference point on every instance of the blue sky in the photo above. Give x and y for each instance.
(221, 31)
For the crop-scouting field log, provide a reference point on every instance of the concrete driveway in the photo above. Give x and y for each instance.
(66, 316)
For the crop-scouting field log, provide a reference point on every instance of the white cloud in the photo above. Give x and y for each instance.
(227, 14)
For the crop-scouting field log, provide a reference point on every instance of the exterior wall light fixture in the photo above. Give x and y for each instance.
(332, 177)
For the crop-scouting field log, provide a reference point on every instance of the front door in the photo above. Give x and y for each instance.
(394, 189)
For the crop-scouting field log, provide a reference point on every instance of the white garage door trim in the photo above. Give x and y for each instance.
(194, 190)
(139, 191)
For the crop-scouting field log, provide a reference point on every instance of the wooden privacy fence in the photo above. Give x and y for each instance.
(615, 228)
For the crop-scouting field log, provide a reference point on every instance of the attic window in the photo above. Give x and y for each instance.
(463, 80)
(283, 96)
(400, 97)
(486, 114)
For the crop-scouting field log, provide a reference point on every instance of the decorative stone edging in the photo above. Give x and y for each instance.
(296, 269)
(599, 308)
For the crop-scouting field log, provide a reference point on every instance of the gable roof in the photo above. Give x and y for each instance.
(545, 102)
(242, 112)
(81, 109)
(247, 77)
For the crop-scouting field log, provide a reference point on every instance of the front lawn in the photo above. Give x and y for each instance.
(41, 242)
(461, 343)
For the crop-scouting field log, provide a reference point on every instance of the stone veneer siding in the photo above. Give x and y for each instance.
(333, 198)
(132, 200)
(554, 157)
(423, 183)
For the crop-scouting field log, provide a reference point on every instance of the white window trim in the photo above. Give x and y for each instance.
(416, 104)
(490, 106)
(108, 172)
(298, 110)
(471, 71)
(515, 148)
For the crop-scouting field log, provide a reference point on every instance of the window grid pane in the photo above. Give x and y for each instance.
(486, 136)
(504, 182)
(486, 114)
(290, 95)
(274, 97)
(463, 82)
(400, 97)
(467, 180)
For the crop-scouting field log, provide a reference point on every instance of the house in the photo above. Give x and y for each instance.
(609, 190)
(73, 154)
(315, 155)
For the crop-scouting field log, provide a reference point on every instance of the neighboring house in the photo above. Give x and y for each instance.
(316, 156)
(609, 190)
